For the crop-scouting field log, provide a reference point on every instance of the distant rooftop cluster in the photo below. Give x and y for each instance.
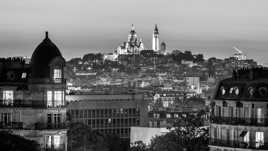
(250, 73)
(13, 60)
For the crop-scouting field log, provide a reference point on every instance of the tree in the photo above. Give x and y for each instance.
(11, 142)
(114, 143)
(139, 146)
(188, 135)
(199, 58)
(82, 138)
(192, 135)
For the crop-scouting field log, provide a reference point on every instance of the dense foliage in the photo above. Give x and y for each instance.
(188, 135)
(11, 142)
(83, 138)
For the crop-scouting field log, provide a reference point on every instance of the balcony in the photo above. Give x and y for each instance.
(237, 144)
(44, 126)
(11, 125)
(239, 121)
(28, 103)
(24, 103)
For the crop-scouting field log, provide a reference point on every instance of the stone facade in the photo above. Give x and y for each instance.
(33, 97)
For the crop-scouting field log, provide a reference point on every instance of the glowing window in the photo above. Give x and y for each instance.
(57, 75)
(58, 98)
(49, 141)
(165, 103)
(260, 115)
(168, 115)
(259, 139)
(8, 97)
(53, 141)
(56, 141)
(49, 98)
(246, 137)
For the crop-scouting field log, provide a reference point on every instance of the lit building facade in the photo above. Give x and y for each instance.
(239, 112)
(108, 114)
(33, 97)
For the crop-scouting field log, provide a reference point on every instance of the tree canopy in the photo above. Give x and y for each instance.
(82, 138)
(188, 134)
(11, 142)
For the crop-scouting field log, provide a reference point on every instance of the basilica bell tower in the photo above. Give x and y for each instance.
(155, 40)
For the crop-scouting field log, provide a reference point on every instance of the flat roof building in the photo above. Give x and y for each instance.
(108, 114)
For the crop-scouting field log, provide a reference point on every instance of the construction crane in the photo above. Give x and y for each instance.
(238, 50)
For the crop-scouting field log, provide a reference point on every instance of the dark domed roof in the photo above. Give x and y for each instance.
(246, 85)
(45, 52)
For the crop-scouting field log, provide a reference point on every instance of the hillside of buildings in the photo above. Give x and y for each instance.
(150, 70)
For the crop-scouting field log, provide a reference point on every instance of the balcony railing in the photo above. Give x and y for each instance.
(11, 125)
(42, 126)
(27, 103)
(21, 103)
(238, 144)
(239, 121)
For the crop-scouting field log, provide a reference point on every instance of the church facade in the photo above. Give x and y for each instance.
(134, 45)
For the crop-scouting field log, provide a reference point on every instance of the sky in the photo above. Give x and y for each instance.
(211, 27)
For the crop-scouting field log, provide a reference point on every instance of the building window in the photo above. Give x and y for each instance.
(49, 99)
(53, 141)
(57, 75)
(56, 141)
(260, 115)
(58, 98)
(6, 118)
(231, 111)
(156, 115)
(57, 120)
(24, 75)
(259, 139)
(165, 104)
(55, 98)
(246, 137)
(168, 115)
(49, 141)
(8, 97)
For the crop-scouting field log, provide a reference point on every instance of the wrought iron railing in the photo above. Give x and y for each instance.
(11, 125)
(238, 144)
(41, 126)
(239, 121)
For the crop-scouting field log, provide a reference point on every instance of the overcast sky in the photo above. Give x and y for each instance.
(211, 27)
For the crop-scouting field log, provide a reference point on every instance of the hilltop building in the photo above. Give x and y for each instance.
(133, 45)
(239, 112)
(33, 97)
(155, 40)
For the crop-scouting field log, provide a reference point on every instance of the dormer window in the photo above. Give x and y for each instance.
(23, 75)
(8, 97)
(57, 75)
